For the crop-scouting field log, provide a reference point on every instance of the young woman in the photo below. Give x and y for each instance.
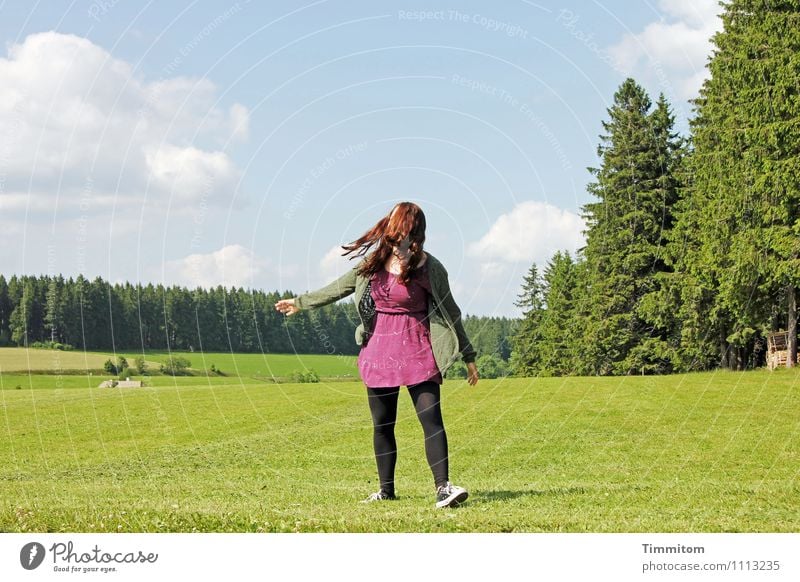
(410, 334)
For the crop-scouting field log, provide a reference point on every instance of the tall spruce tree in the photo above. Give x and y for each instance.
(525, 359)
(557, 356)
(5, 312)
(54, 309)
(21, 321)
(625, 237)
(659, 352)
(743, 216)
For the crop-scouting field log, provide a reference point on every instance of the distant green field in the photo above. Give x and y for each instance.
(21, 360)
(713, 452)
(266, 365)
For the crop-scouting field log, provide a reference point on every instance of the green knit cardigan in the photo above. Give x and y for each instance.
(448, 338)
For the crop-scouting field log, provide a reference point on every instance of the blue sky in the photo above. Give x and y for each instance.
(204, 143)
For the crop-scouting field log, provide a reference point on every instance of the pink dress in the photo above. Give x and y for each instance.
(399, 353)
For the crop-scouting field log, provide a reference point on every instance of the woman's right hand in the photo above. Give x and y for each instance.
(287, 306)
(472, 374)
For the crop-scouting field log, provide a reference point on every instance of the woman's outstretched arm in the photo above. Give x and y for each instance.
(341, 287)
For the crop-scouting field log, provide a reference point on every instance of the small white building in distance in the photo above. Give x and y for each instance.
(126, 383)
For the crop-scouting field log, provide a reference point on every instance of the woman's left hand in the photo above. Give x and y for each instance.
(287, 306)
(472, 373)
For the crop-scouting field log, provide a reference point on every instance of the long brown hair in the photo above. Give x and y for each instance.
(407, 220)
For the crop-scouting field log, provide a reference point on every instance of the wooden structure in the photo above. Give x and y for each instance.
(777, 349)
(126, 383)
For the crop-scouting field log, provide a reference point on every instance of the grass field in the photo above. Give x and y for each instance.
(261, 365)
(22, 361)
(713, 452)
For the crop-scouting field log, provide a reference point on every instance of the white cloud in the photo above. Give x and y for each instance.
(672, 52)
(333, 265)
(189, 172)
(696, 13)
(72, 114)
(493, 269)
(232, 265)
(531, 232)
(240, 122)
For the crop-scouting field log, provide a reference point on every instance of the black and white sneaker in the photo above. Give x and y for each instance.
(380, 496)
(450, 495)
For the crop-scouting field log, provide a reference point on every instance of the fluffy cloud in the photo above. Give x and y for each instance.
(232, 265)
(240, 122)
(187, 172)
(531, 232)
(672, 51)
(333, 265)
(76, 121)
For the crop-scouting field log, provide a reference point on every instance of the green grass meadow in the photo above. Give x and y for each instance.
(711, 452)
(257, 366)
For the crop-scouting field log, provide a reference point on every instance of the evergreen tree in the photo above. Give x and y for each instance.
(54, 309)
(98, 324)
(208, 318)
(745, 166)
(490, 335)
(126, 321)
(557, 354)
(659, 351)
(525, 359)
(82, 311)
(21, 317)
(626, 232)
(5, 312)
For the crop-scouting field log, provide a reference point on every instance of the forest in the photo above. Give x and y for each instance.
(95, 315)
(692, 253)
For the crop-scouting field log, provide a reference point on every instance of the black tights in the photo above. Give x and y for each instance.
(383, 406)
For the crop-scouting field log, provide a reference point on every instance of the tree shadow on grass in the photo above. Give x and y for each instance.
(485, 497)
(481, 497)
